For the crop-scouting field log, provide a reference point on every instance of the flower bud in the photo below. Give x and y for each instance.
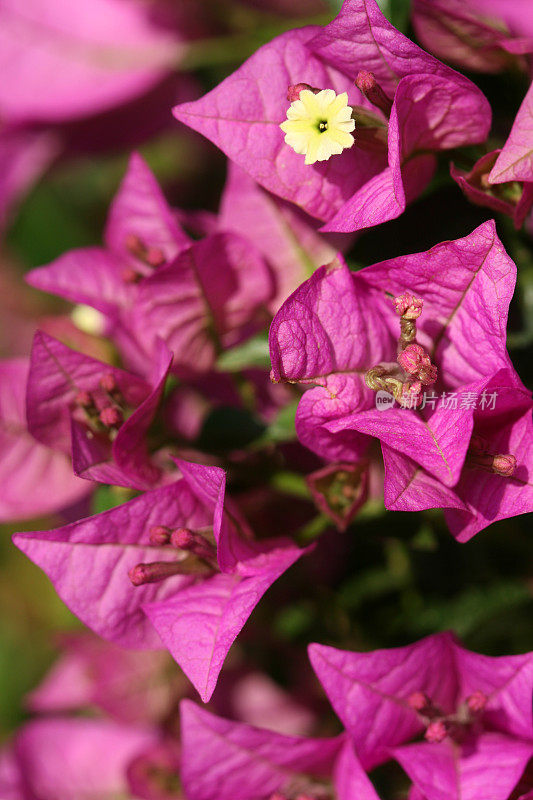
(417, 701)
(477, 701)
(160, 535)
(504, 465)
(108, 382)
(293, 92)
(436, 731)
(408, 306)
(154, 572)
(110, 416)
(367, 84)
(412, 358)
(83, 399)
(155, 257)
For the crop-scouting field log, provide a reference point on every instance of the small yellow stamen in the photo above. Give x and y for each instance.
(319, 125)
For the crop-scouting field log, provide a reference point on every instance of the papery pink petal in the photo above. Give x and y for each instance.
(35, 479)
(67, 758)
(360, 37)
(208, 298)
(384, 196)
(242, 117)
(57, 374)
(507, 682)
(130, 447)
(472, 187)
(209, 484)
(509, 430)
(200, 624)
(224, 760)
(62, 61)
(11, 787)
(340, 396)
(328, 325)
(89, 561)
(408, 487)
(285, 236)
(89, 275)
(438, 442)
(515, 162)
(92, 459)
(466, 286)
(129, 685)
(140, 209)
(417, 124)
(489, 767)
(369, 691)
(350, 779)
(517, 15)
(455, 32)
(257, 700)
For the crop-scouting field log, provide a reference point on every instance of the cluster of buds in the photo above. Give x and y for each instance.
(102, 410)
(480, 457)
(439, 725)
(194, 553)
(151, 257)
(406, 378)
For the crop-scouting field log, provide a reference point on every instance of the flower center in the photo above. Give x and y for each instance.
(440, 726)
(319, 123)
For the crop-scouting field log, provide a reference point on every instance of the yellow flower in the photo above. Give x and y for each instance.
(319, 125)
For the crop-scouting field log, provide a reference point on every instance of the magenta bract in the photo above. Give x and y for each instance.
(338, 325)
(195, 607)
(470, 707)
(36, 478)
(365, 185)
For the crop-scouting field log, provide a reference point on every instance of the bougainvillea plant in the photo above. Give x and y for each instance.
(250, 382)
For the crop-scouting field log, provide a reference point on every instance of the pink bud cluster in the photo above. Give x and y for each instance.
(439, 725)
(188, 543)
(152, 257)
(103, 407)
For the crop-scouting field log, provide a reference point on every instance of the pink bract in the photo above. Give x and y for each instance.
(338, 325)
(36, 478)
(362, 186)
(197, 613)
(388, 697)
(224, 760)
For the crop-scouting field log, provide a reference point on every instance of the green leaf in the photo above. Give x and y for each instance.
(397, 12)
(282, 428)
(253, 353)
(106, 497)
(472, 609)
